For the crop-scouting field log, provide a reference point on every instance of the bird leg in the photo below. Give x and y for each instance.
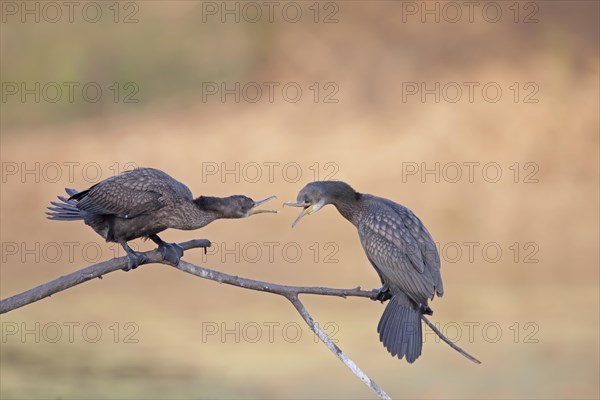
(134, 259)
(171, 252)
(425, 309)
(383, 293)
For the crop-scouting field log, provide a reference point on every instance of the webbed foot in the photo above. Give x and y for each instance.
(171, 252)
(134, 260)
(383, 294)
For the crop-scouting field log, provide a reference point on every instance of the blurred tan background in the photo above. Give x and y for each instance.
(530, 313)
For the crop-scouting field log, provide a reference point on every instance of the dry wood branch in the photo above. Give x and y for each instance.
(335, 349)
(289, 292)
(83, 275)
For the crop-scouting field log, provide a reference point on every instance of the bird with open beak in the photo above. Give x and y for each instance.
(400, 249)
(144, 202)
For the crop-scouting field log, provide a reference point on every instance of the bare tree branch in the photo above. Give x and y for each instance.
(116, 264)
(336, 350)
(289, 292)
(83, 275)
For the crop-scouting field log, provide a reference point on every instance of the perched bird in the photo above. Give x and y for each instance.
(400, 249)
(144, 202)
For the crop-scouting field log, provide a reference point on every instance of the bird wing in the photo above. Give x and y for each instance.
(394, 249)
(127, 195)
(419, 232)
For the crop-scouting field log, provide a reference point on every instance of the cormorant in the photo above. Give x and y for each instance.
(400, 249)
(143, 202)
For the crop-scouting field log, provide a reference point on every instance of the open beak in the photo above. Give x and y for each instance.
(307, 210)
(253, 210)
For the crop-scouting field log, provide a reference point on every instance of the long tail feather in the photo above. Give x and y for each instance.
(66, 209)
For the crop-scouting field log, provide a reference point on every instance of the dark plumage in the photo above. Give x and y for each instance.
(144, 202)
(400, 249)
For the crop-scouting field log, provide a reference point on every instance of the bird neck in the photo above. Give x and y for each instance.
(351, 209)
(211, 207)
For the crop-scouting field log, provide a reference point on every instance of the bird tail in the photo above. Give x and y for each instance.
(400, 328)
(66, 209)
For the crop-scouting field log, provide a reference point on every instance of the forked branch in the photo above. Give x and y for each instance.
(289, 292)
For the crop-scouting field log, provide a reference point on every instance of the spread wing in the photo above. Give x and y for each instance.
(126, 196)
(401, 249)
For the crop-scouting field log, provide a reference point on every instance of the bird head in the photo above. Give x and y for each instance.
(239, 206)
(316, 195)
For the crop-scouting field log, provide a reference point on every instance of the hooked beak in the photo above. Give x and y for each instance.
(308, 209)
(253, 210)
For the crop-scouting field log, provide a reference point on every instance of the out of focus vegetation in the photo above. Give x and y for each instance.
(543, 293)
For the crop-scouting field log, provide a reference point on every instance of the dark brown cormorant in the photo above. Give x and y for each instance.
(400, 249)
(144, 202)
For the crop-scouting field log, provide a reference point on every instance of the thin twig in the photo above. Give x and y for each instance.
(448, 341)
